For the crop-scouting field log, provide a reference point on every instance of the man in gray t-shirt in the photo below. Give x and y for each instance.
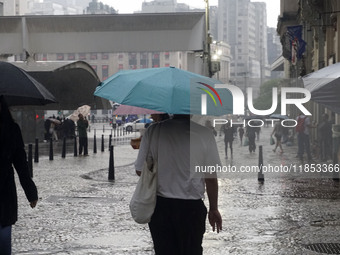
(178, 223)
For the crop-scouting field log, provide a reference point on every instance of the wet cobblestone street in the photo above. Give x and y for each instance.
(80, 212)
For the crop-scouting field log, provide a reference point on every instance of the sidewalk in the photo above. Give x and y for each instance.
(80, 212)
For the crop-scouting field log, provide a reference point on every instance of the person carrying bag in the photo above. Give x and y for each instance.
(178, 221)
(143, 201)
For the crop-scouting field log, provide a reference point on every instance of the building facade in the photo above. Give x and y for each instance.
(319, 21)
(242, 24)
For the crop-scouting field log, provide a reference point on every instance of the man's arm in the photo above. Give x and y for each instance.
(214, 215)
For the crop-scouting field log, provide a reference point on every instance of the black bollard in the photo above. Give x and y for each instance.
(75, 150)
(260, 175)
(110, 141)
(30, 155)
(102, 143)
(94, 144)
(63, 151)
(36, 151)
(111, 165)
(51, 149)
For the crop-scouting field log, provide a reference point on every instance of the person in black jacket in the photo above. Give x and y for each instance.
(12, 153)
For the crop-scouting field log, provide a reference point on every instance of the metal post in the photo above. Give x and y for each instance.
(102, 143)
(94, 144)
(260, 175)
(336, 146)
(30, 155)
(51, 148)
(75, 150)
(111, 165)
(110, 141)
(36, 151)
(63, 151)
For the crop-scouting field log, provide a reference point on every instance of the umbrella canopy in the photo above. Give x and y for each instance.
(19, 88)
(279, 116)
(324, 86)
(58, 122)
(166, 89)
(84, 110)
(128, 109)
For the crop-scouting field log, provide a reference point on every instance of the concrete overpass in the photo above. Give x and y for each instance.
(100, 34)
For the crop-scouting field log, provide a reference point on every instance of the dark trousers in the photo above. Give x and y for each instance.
(252, 145)
(5, 240)
(83, 145)
(303, 145)
(226, 142)
(177, 226)
(326, 148)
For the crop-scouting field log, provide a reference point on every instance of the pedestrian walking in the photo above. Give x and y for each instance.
(12, 152)
(325, 137)
(241, 133)
(178, 222)
(53, 132)
(251, 134)
(302, 131)
(228, 131)
(82, 125)
(277, 132)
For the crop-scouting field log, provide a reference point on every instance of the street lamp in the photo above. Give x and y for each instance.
(215, 64)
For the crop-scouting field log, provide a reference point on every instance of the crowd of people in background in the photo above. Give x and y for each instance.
(319, 149)
(56, 128)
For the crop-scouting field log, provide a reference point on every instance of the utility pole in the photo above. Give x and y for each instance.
(208, 38)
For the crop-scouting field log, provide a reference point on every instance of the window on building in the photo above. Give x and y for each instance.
(144, 60)
(93, 56)
(120, 57)
(94, 67)
(120, 67)
(167, 55)
(132, 60)
(155, 55)
(105, 55)
(71, 56)
(44, 57)
(60, 56)
(105, 72)
(144, 55)
(82, 56)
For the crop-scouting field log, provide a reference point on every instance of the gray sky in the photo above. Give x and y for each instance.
(129, 6)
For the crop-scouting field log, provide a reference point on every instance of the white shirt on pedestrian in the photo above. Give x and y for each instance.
(182, 145)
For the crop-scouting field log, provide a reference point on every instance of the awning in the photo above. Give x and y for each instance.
(324, 86)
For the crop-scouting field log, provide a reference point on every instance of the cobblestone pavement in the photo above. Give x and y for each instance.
(80, 212)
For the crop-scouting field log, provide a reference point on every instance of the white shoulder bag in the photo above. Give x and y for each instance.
(143, 201)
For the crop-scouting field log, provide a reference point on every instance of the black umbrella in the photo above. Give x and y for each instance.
(19, 88)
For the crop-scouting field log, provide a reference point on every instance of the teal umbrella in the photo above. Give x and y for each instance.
(166, 89)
